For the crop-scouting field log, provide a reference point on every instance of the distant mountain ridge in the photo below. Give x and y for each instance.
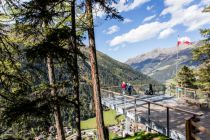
(160, 64)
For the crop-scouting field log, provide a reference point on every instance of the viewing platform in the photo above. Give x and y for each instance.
(162, 113)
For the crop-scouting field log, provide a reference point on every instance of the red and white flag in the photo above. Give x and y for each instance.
(184, 41)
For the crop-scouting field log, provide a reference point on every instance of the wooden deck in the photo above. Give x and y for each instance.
(158, 113)
(177, 119)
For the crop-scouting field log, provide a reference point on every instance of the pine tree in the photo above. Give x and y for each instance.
(111, 12)
(94, 71)
(45, 40)
(44, 18)
(75, 70)
(186, 78)
(202, 54)
(50, 48)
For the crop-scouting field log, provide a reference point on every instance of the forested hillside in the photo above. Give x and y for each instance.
(113, 72)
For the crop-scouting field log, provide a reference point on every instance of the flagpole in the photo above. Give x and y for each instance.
(177, 56)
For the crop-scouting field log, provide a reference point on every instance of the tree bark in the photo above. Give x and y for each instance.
(57, 112)
(94, 72)
(75, 71)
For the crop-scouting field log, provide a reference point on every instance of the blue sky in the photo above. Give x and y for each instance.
(149, 24)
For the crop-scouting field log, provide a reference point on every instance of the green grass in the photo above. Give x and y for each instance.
(112, 135)
(144, 136)
(110, 118)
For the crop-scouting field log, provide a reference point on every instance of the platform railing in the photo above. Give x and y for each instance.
(192, 96)
(192, 128)
(133, 100)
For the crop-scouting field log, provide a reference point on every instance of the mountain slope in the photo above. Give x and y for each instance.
(160, 63)
(113, 72)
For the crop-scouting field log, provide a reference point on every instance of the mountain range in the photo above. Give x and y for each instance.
(161, 64)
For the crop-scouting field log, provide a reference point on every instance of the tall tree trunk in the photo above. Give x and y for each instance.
(57, 112)
(95, 77)
(75, 71)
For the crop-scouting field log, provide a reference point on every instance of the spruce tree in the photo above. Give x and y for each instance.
(202, 54)
(46, 40)
(186, 78)
(75, 70)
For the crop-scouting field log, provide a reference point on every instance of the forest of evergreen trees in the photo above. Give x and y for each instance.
(45, 69)
(40, 77)
(41, 67)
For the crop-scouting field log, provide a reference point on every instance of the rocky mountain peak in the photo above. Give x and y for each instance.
(160, 63)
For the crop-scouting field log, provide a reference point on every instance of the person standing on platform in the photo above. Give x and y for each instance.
(123, 87)
(129, 88)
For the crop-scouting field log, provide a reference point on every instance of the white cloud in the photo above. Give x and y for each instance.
(206, 2)
(141, 33)
(165, 33)
(191, 17)
(126, 5)
(150, 7)
(112, 29)
(149, 18)
(174, 5)
(181, 12)
(127, 20)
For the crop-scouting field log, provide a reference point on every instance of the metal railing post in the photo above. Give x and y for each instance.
(123, 99)
(194, 95)
(168, 129)
(135, 109)
(148, 117)
(125, 102)
(113, 100)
